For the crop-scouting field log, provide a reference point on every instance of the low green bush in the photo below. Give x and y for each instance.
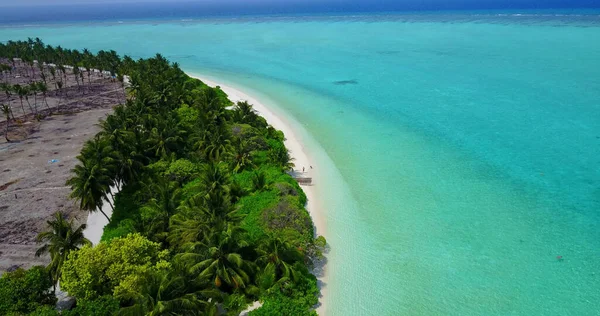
(102, 306)
(24, 291)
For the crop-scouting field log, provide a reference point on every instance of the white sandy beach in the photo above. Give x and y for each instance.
(297, 150)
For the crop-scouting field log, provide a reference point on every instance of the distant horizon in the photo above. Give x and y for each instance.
(264, 4)
(116, 10)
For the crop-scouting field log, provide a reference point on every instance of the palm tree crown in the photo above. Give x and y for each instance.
(59, 240)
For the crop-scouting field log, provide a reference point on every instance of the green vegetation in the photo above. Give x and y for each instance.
(23, 291)
(206, 216)
(59, 241)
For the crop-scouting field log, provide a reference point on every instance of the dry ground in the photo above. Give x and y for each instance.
(36, 163)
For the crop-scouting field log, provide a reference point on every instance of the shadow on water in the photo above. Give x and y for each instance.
(319, 271)
(345, 82)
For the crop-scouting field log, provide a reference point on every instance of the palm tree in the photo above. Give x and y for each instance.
(8, 91)
(33, 88)
(5, 69)
(121, 79)
(42, 73)
(214, 178)
(244, 113)
(221, 263)
(281, 157)
(198, 218)
(259, 181)
(236, 192)
(22, 92)
(278, 258)
(65, 82)
(187, 226)
(242, 158)
(53, 73)
(90, 185)
(60, 239)
(129, 160)
(43, 88)
(165, 293)
(166, 137)
(59, 92)
(76, 74)
(157, 212)
(6, 111)
(82, 80)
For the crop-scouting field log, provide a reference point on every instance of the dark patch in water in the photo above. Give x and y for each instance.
(345, 82)
(388, 52)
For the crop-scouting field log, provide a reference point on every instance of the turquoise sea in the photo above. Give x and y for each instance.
(459, 153)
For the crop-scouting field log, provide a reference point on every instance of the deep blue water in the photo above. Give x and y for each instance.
(45, 13)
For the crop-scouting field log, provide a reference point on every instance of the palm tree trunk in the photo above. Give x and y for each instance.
(22, 107)
(59, 99)
(28, 103)
(45, 101)
(101, 211)
(6, 132)
(110, 203)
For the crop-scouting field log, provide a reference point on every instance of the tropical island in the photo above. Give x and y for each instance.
(206, 218)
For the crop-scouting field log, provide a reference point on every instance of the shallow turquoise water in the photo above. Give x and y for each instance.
(466, 150)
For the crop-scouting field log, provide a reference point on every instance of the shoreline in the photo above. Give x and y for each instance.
(302, 158)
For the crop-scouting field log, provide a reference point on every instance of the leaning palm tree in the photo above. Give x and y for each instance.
(43, 88)
(6, 111)
(76, 75)
(53, 74)
(8, 89)
(59, 93)
(90, 185)
(21, 92)
(59, 240)
(33, 89)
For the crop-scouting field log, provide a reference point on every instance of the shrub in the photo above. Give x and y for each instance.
(289, 219)
(280, 304)
(111, 267)
(102, 306)
(46, 310)
(182, 170)
(23, 291)
(252, 206)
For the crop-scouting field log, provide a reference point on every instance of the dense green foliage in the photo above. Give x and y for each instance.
(101, 306)
(206, 213)
(23, 291)
(111, 268)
